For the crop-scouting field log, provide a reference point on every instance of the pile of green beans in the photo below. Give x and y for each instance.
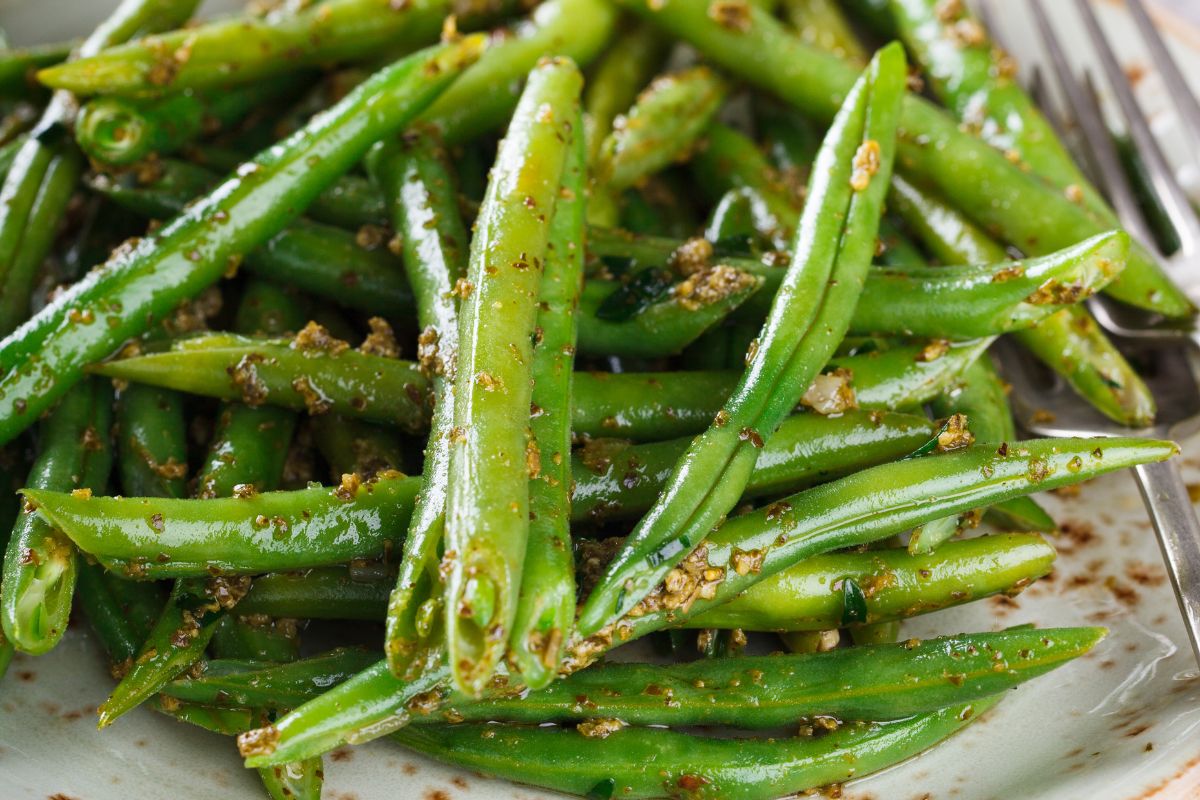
(517, 347)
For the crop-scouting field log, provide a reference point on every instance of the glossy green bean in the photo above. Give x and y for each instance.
(487, 505)
(977, 81)
(638, 406)
(178, 638)
(151, 442)
(338, 592)
(312, 372)
(39, 563)
(618, 75)
(897, 585)
(661, 127)
(808, 319)
(254, 684)
(729, 159)
(880, 682)
(689, 308)
(823, 24)
(615, 479)
(546, 602)
(1020, 207)
(171, 185)
(120, 131)
(121, 298)
(415, 177)
(649, 763)
(1068, 341)
(249, 48)
(846, 512)
(483, 100)
(162, 538)
(42, 223)
(350, 446)
(269, 640)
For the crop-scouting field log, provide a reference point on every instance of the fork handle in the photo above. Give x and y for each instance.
(1178, 532)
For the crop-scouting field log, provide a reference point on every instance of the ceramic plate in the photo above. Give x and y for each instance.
(1120, 724)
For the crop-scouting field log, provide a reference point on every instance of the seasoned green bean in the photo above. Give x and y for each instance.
(808, 319)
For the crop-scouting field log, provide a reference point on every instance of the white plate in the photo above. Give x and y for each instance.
(1120, 724)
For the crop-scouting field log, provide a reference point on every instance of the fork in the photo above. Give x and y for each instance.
(1084, 110)
(1045, 405)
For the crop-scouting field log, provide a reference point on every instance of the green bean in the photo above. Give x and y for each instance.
(120, 131)
(810, 316)
(729, 159)
(1069, 341)
(121, 298)
(650, 763)
(312, 372)
(163, 538)
(1020, 207)
(661, 127)
(982, 396)
(985, 299)
(487, 505)
(302, 780)
(42, 222)
(151, 442)
(897, 585)
(822, 24)
(846, 512)
(178, 639)
(171, 185)
(670, 324)
(250, 444)
(18, 66)
(249, 48)
(618, 480)
(349, 446)
(237, 636)
(880, 682)
(638, 406)
(39, 563)
(977, 81)
(117, 635)
(1146, 197)
(338, 592)
(619, 74)
(41, 180)
(416, 179)
(254, 684)
(484, 98)
(546, 603)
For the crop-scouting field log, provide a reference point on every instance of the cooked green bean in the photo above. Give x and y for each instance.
(487, 505)
(39, 562)
(120, 131)
(546, 603)
(416, 179)
(619, 74)
(660, 128)
(808, 319)
(249, 48)
(162, 538)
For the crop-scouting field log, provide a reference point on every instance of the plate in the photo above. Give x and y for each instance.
(1122, 723)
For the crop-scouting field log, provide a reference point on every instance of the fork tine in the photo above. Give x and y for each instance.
(1177, 86)
(1175, 201)
(1040, 93)
(1099, 144)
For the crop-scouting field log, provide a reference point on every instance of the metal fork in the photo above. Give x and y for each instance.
(1084, 110)
(1043, 402)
